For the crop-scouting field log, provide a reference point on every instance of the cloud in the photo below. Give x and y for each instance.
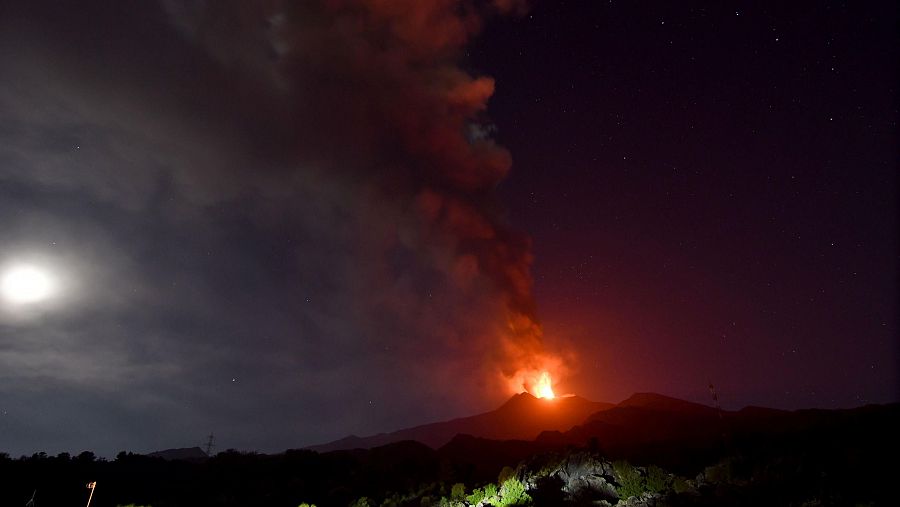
(276, 211)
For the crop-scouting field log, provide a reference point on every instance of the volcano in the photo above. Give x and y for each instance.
(646, 426)
(522, 417)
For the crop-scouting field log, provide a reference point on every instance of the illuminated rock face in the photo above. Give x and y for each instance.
(580, 474)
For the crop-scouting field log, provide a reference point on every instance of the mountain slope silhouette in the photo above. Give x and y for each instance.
(522, 417)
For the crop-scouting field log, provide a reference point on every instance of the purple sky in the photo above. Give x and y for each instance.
(283, 223)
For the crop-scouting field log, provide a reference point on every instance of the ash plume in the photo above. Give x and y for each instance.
(382, 99)
(295, 199)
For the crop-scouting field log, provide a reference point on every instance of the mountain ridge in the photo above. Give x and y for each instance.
(643, 417)
(521, 417)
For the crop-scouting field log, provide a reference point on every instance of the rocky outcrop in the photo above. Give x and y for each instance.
(585, 477)
(580, 475)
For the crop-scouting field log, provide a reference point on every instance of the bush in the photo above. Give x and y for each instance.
(490, 495)
(476, 496)
(681, 485)
(458, 491)
(362, 502)
(505, 474)
(512, 492)
(447, 502)
(629, 478)
(657, 479)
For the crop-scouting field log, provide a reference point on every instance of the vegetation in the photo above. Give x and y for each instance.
(490, 493)
(657, 480)
(680, 485)
(631, 483)
(476, 497)
(512, 492)
(458, 492)
(831, 463)
(506, 473)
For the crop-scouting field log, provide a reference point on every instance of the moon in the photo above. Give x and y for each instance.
(25, 284)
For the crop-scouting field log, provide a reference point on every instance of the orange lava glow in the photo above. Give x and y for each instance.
(538, 382)
(538, 374)
(543, 388)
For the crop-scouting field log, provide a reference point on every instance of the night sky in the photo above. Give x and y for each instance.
(286, 222)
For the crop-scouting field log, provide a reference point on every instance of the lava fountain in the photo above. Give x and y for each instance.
(536, 381)
(543, 388)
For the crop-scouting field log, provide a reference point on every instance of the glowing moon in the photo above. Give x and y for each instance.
(26, 284)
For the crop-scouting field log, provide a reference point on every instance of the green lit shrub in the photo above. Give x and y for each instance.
(629, 478)
(458, 491)
(362, 502)
(490, 495)
(449, 502)
(657, 480)
(476, 496)
(512, 492)
(506, 473)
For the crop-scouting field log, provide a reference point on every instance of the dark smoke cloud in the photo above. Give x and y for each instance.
(385, 77)
(274, 210)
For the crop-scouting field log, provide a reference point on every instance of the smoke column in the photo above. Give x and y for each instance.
(371, 94)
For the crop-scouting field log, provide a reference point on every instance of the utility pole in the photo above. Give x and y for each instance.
(210, 445)
(31, 502)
